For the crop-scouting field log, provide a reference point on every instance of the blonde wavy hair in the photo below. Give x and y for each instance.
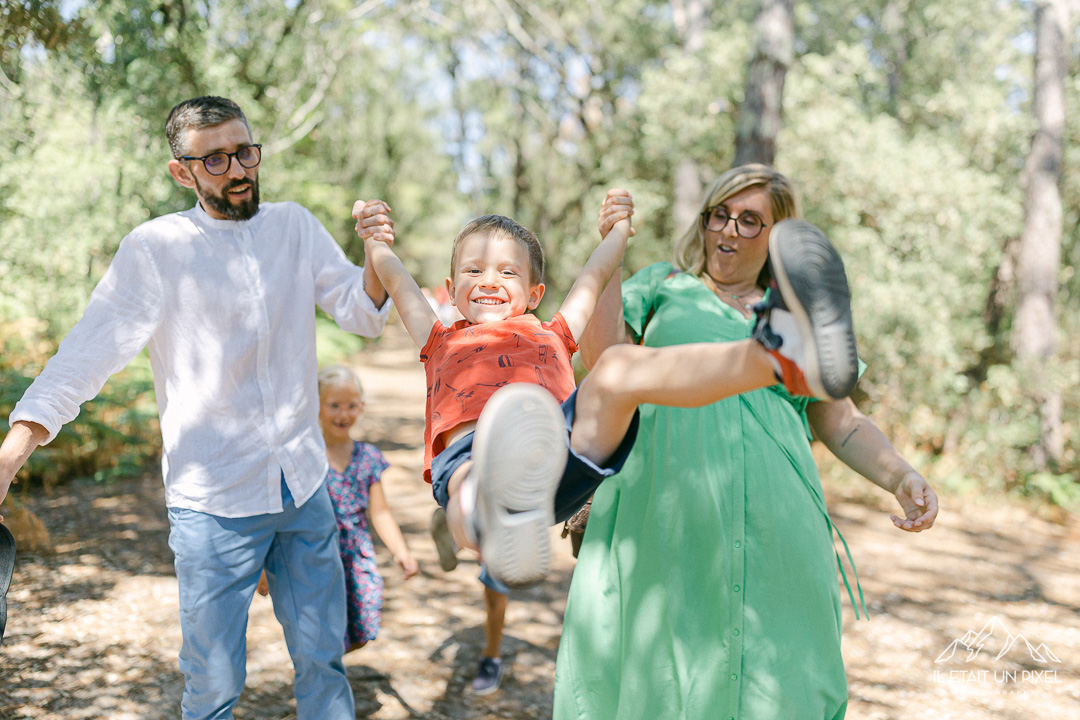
(690, 248)
(337, 376)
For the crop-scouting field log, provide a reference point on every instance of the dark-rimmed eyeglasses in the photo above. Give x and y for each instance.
(218, 163)
(748, 225)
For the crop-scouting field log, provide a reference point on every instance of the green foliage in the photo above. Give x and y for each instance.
(906, 125)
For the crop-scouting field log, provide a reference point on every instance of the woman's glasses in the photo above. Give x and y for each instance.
(748, 225)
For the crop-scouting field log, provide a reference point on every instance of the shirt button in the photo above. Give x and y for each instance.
(738, 544)
(735, 632)
(734, 676)
(737, 588)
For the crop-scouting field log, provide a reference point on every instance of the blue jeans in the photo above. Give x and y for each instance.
(218, 562)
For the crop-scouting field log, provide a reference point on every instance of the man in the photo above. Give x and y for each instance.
(224, 296)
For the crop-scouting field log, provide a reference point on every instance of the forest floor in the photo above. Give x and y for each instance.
(93, 626)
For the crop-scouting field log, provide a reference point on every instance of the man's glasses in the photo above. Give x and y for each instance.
(218, 163)
(748, 225)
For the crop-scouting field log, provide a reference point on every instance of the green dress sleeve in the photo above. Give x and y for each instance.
(639, 295)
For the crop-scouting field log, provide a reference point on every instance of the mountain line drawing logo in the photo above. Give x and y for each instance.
(973, 643)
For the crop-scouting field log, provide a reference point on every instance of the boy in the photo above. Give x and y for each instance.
(504, 459)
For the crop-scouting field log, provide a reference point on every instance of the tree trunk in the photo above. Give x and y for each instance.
(1040, 244)
(760, 114)
(690, 18)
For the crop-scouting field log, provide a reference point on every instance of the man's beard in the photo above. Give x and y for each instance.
(244, 210)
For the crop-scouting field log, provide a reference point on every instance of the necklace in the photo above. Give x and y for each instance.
(739, 299)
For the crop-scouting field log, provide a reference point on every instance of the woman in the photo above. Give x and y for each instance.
(706, 583)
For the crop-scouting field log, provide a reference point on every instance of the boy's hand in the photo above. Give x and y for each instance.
(373, 221)
(618, 205)
(919, 502)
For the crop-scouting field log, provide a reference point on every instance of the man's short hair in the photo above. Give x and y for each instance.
(195, 114)
(502, 226)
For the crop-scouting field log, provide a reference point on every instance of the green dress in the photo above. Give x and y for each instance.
(706, 586)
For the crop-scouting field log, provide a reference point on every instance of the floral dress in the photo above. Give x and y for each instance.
(349, 492)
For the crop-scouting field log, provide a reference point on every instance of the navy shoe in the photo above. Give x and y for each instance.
(488, 677)
(805, 323)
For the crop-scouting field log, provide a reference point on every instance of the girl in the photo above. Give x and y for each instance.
(353, 482)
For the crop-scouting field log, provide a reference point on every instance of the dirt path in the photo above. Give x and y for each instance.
(93, 629)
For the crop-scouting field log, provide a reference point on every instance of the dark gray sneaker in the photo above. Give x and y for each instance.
(805, 323)
(444, 540)
(488, 677)
(7, 567)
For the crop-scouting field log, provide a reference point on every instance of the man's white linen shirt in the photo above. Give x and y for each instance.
(227, 311)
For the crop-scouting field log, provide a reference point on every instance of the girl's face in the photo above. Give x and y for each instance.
(491, 279)
(729, 258)
(339, 406)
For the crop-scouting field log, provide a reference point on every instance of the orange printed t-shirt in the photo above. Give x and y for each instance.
(466, 363)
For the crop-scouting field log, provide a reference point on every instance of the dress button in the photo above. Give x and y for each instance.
(738, 544)
(734, 676)
(737, 588)
(735, 632)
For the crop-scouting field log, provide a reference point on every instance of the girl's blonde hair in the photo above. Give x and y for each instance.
(690, 248)
(335, 375)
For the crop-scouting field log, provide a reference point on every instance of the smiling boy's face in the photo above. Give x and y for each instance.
(491, 278)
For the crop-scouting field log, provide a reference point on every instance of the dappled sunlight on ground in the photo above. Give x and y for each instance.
(93, 630)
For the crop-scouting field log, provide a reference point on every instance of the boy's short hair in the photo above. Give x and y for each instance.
(197, 113)
(502, 226)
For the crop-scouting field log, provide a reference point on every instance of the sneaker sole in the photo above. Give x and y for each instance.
(444, 541)
(519, 455)
(810, 275)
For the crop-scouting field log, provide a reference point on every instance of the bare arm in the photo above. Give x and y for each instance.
(384, 523)
(859, 443)
(374, 225)
(373, 217)
(373, 286)
(580, 303)
(23, 438)
(607, 327)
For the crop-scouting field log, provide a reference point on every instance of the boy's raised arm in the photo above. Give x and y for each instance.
(374, 225)
(577, 308)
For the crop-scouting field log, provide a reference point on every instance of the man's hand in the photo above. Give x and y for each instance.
(373, 221)
(21, 440)
(618, 205)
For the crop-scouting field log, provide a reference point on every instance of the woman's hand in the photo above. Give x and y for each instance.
(919, 502)
(618, 205)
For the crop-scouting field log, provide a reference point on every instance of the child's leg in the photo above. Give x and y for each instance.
(490, 671)
(494, 622)
(501, 499)
(803, 335)
(454, 513)
(693, 375)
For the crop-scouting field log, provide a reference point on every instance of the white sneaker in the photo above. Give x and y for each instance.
(519, 455)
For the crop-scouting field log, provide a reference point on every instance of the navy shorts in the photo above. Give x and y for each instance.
(580, 478)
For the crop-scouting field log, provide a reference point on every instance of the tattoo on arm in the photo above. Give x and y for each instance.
(849, 436)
